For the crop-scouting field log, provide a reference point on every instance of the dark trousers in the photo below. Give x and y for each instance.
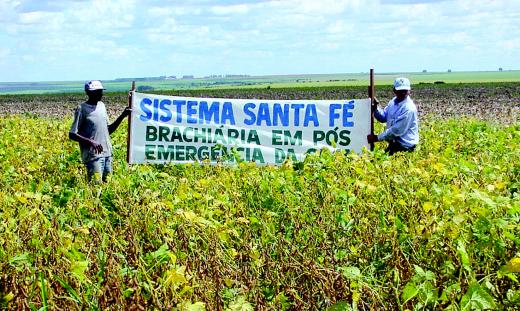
(394, 147)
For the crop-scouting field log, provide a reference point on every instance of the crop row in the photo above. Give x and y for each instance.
(434, 229)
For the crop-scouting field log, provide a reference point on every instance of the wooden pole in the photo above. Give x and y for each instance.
(129, 131)
(372, 95)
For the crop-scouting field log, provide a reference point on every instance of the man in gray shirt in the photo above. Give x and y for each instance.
(92, 131)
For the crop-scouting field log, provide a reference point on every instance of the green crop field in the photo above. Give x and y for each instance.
(280, 81)
(437, 229)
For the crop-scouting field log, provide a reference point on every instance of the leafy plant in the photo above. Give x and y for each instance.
(433, 229)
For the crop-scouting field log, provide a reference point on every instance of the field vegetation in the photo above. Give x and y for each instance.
(484, 101)
(274, 81)
(434, 229)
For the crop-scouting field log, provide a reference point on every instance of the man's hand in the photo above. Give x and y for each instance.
(375, 104)
(372, 138)
(97, 147)
(126, 112)
(112, 127)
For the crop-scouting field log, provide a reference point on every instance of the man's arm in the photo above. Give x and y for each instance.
(379, 114)
(399, 128)
(86, 141)
(113, 127)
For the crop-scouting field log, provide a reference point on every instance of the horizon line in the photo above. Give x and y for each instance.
(244, 75)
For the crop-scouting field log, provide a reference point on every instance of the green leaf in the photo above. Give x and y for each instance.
(78, 268)
(429, 293)
(351, 273)
(128, 292)
(477, 298)
(240, 304)
(6, 298)
(160, 256)
(430, 276)
(20, 260)
(175, 276)
(464, 257)
(43, 289)
(340, 306)
(409, 291)
(73, 294)
(197, 306)
(419, 270)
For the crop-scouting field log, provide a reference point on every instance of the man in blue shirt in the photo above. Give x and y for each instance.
(400, 115)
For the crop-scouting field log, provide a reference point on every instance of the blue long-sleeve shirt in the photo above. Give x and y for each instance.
(402, 124)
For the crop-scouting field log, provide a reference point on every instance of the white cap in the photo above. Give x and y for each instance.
(402, 84)
(93, 85)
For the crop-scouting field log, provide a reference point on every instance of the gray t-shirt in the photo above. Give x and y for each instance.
(91, 121)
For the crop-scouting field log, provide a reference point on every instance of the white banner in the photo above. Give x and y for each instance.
(185, 129)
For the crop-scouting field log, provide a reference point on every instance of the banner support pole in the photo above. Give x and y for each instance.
(371, 95)
(128, 132)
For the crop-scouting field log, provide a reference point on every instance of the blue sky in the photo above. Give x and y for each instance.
(107, 39)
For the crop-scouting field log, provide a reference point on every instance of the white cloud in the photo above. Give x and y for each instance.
(172, 11)
(8, 10)
(341, 27)
(313, 7)
(230, 9)
(4, 54)
(28, 58)
(104, 15)
(35, 17)
(277, 35)
(46, 23)
(510, 46)
(172, 33)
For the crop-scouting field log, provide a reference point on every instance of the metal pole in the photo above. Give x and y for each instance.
(372, 95)
(129, 130)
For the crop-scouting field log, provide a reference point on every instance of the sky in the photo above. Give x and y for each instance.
(107, 39)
